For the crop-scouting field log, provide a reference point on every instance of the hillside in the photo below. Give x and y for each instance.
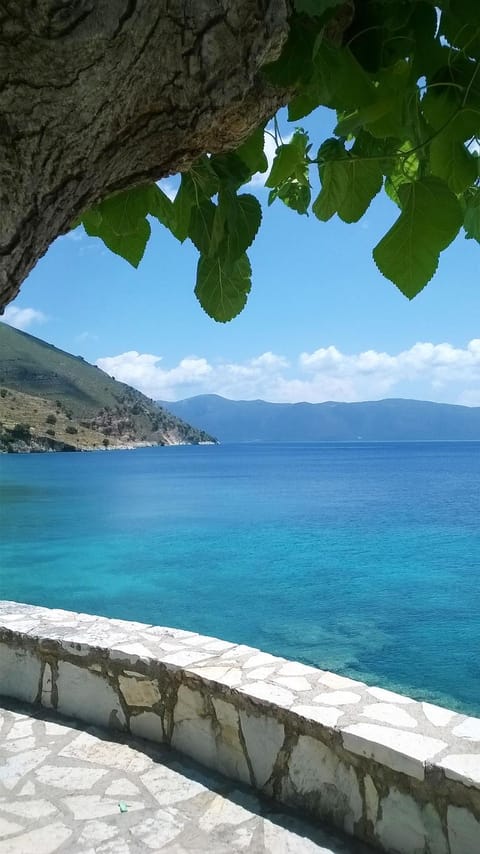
(381, 420)
(50, 400)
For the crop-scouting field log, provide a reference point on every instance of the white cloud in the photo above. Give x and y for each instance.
(431, 371)
(23, 318)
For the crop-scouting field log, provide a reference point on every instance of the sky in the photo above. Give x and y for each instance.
(321, 322)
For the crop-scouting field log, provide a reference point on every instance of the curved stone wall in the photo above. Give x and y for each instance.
(402, 775)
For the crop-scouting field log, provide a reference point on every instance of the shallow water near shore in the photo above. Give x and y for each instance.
(360, 558)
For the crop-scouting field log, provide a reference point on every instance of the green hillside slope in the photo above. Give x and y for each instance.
(50, 399)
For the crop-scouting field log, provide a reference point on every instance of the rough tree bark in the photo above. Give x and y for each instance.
(100, 95)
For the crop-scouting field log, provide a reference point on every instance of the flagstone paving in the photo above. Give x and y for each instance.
(65, 787)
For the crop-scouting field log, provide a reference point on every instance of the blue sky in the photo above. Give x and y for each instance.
(321, 322)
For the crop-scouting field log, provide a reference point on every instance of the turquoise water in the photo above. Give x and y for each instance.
(361, 558)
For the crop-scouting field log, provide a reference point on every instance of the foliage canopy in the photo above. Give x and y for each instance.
(403, 77)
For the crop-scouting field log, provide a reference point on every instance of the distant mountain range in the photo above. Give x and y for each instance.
(51, 400)
(380, 420)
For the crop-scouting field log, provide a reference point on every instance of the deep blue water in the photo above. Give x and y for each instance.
(360, 558)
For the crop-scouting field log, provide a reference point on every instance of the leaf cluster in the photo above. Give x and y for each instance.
(403, 78)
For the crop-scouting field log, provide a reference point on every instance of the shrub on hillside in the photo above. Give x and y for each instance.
(50, 432)
(71, 429)
(21, 431)
(51, 418)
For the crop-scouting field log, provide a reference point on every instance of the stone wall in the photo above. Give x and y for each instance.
(402, 775)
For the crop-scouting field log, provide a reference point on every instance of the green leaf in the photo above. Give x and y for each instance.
(450, 160)
(225, 230)
(471, 220)
(349, 183)
(295, 64)
(121, 223)
(336, 80)
(295, 194)
(201, 226)
(222, 288)
(183, 203)
(204, 177)
(129, 246)
(290, 159)
(91, 221)
(315, 8)
(460, 24)
(230, 170)
(161, 207)
(252, 152)
(287, 158)
(402, 170)
(430, 219)
(242, 216)
(124, 211)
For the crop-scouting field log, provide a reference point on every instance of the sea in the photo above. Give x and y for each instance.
(361, 558)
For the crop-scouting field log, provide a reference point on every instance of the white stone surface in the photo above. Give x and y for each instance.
(271, 693)
(295, 683)
(261, 673)
(259, 659)
(463, 831)
(70, 779)
(186, 657)
(315, 769)
(402, 751)
(15, 767)
(469, 728)
(220, 812)
(392, 730)
(18, 745)
(169, 787)
(44, 840)
(193, 732)
(389, 696)
(20, 729)
(462, 766)
(47, 684)
(19, 674)
(138, 691)
(387, 713)
(147, 725)
(90, 749)
(216, 674)
(437, 715)
(233, 677)
(371, 799)
(264, 737)
(406, 828)
(33, 808)
(295, 668)
(231, 759)
(334, 680)
(96, 806)
(122, 787)
(280, 841)
(326, 715)
(337, 698)
(8, 828)
(87, 695)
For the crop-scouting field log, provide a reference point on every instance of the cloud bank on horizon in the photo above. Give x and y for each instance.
(430, 371)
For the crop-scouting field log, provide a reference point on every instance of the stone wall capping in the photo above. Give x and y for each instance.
(400, 774)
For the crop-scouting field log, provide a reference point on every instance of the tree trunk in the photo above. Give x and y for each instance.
(100, 95)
